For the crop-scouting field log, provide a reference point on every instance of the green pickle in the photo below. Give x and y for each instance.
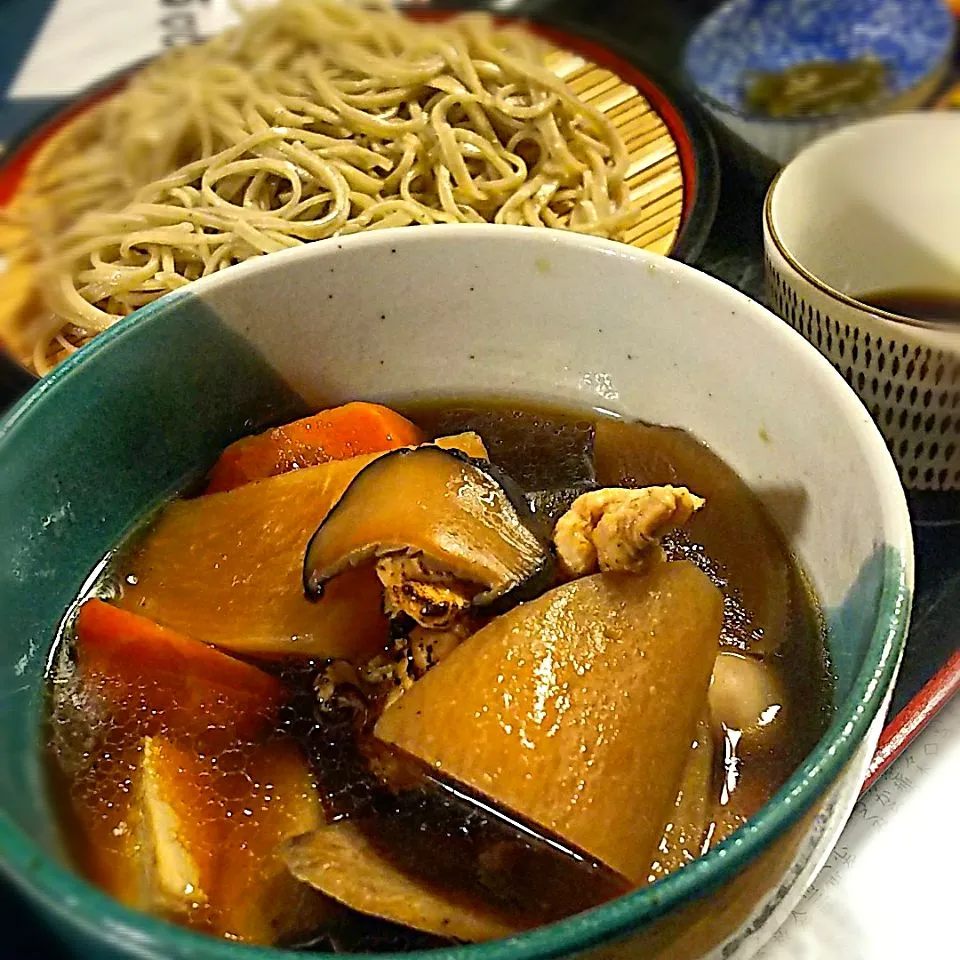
(816, 88)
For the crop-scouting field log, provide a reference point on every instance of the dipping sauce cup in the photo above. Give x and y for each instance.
(876, 208)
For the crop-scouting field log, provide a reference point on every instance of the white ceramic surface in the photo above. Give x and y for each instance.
(871, 208)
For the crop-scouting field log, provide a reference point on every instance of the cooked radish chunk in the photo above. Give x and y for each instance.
(574, 707)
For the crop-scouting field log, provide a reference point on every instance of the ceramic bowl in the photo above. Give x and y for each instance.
(876, 207)
(458, 310)
(913, 38)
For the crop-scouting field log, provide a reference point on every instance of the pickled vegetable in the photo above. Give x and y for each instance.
(816, 88)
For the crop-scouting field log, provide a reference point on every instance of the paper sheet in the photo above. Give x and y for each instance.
(83, 41)
(890, 889)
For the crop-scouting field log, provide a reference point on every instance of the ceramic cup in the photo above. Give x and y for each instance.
(457, 310)
(876, 207)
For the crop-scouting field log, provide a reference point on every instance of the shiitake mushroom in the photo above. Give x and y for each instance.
(462, 515)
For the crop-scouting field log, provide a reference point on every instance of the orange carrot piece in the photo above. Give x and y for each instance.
(335, 434)
(155, 678)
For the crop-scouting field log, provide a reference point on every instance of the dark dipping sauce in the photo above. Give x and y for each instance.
(929, 306)
(438, 831)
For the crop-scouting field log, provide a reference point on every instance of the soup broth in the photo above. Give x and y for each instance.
(226, 794)
(931, 306)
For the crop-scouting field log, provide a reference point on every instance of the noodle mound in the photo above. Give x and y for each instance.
(313, 118)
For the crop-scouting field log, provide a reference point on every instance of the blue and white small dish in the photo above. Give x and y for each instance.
(912, 38)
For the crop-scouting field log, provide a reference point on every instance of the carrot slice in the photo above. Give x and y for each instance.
(335, 434)
(158, 679)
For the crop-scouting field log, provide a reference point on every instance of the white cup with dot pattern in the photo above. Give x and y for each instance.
(876, 207)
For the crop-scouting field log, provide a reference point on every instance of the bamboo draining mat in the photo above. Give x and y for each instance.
(654, 175)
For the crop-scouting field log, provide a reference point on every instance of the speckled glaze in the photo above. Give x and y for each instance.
(452, 310)
(914, 38)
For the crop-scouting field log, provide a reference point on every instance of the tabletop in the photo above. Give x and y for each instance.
(869, 876)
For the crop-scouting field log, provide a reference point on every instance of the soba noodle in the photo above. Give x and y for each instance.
(311, 119)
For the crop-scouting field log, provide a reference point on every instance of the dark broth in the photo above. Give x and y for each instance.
(931, 306)
(429, 828)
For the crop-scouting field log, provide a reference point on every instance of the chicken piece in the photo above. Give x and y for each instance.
(340, 694)
(432, 598)
(616, 528)
(333, 677)
(428, 647)
(411, 656)
(440, 606)
(391, 674)
(389, 667)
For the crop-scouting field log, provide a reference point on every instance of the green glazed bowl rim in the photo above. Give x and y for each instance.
(66, 894)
